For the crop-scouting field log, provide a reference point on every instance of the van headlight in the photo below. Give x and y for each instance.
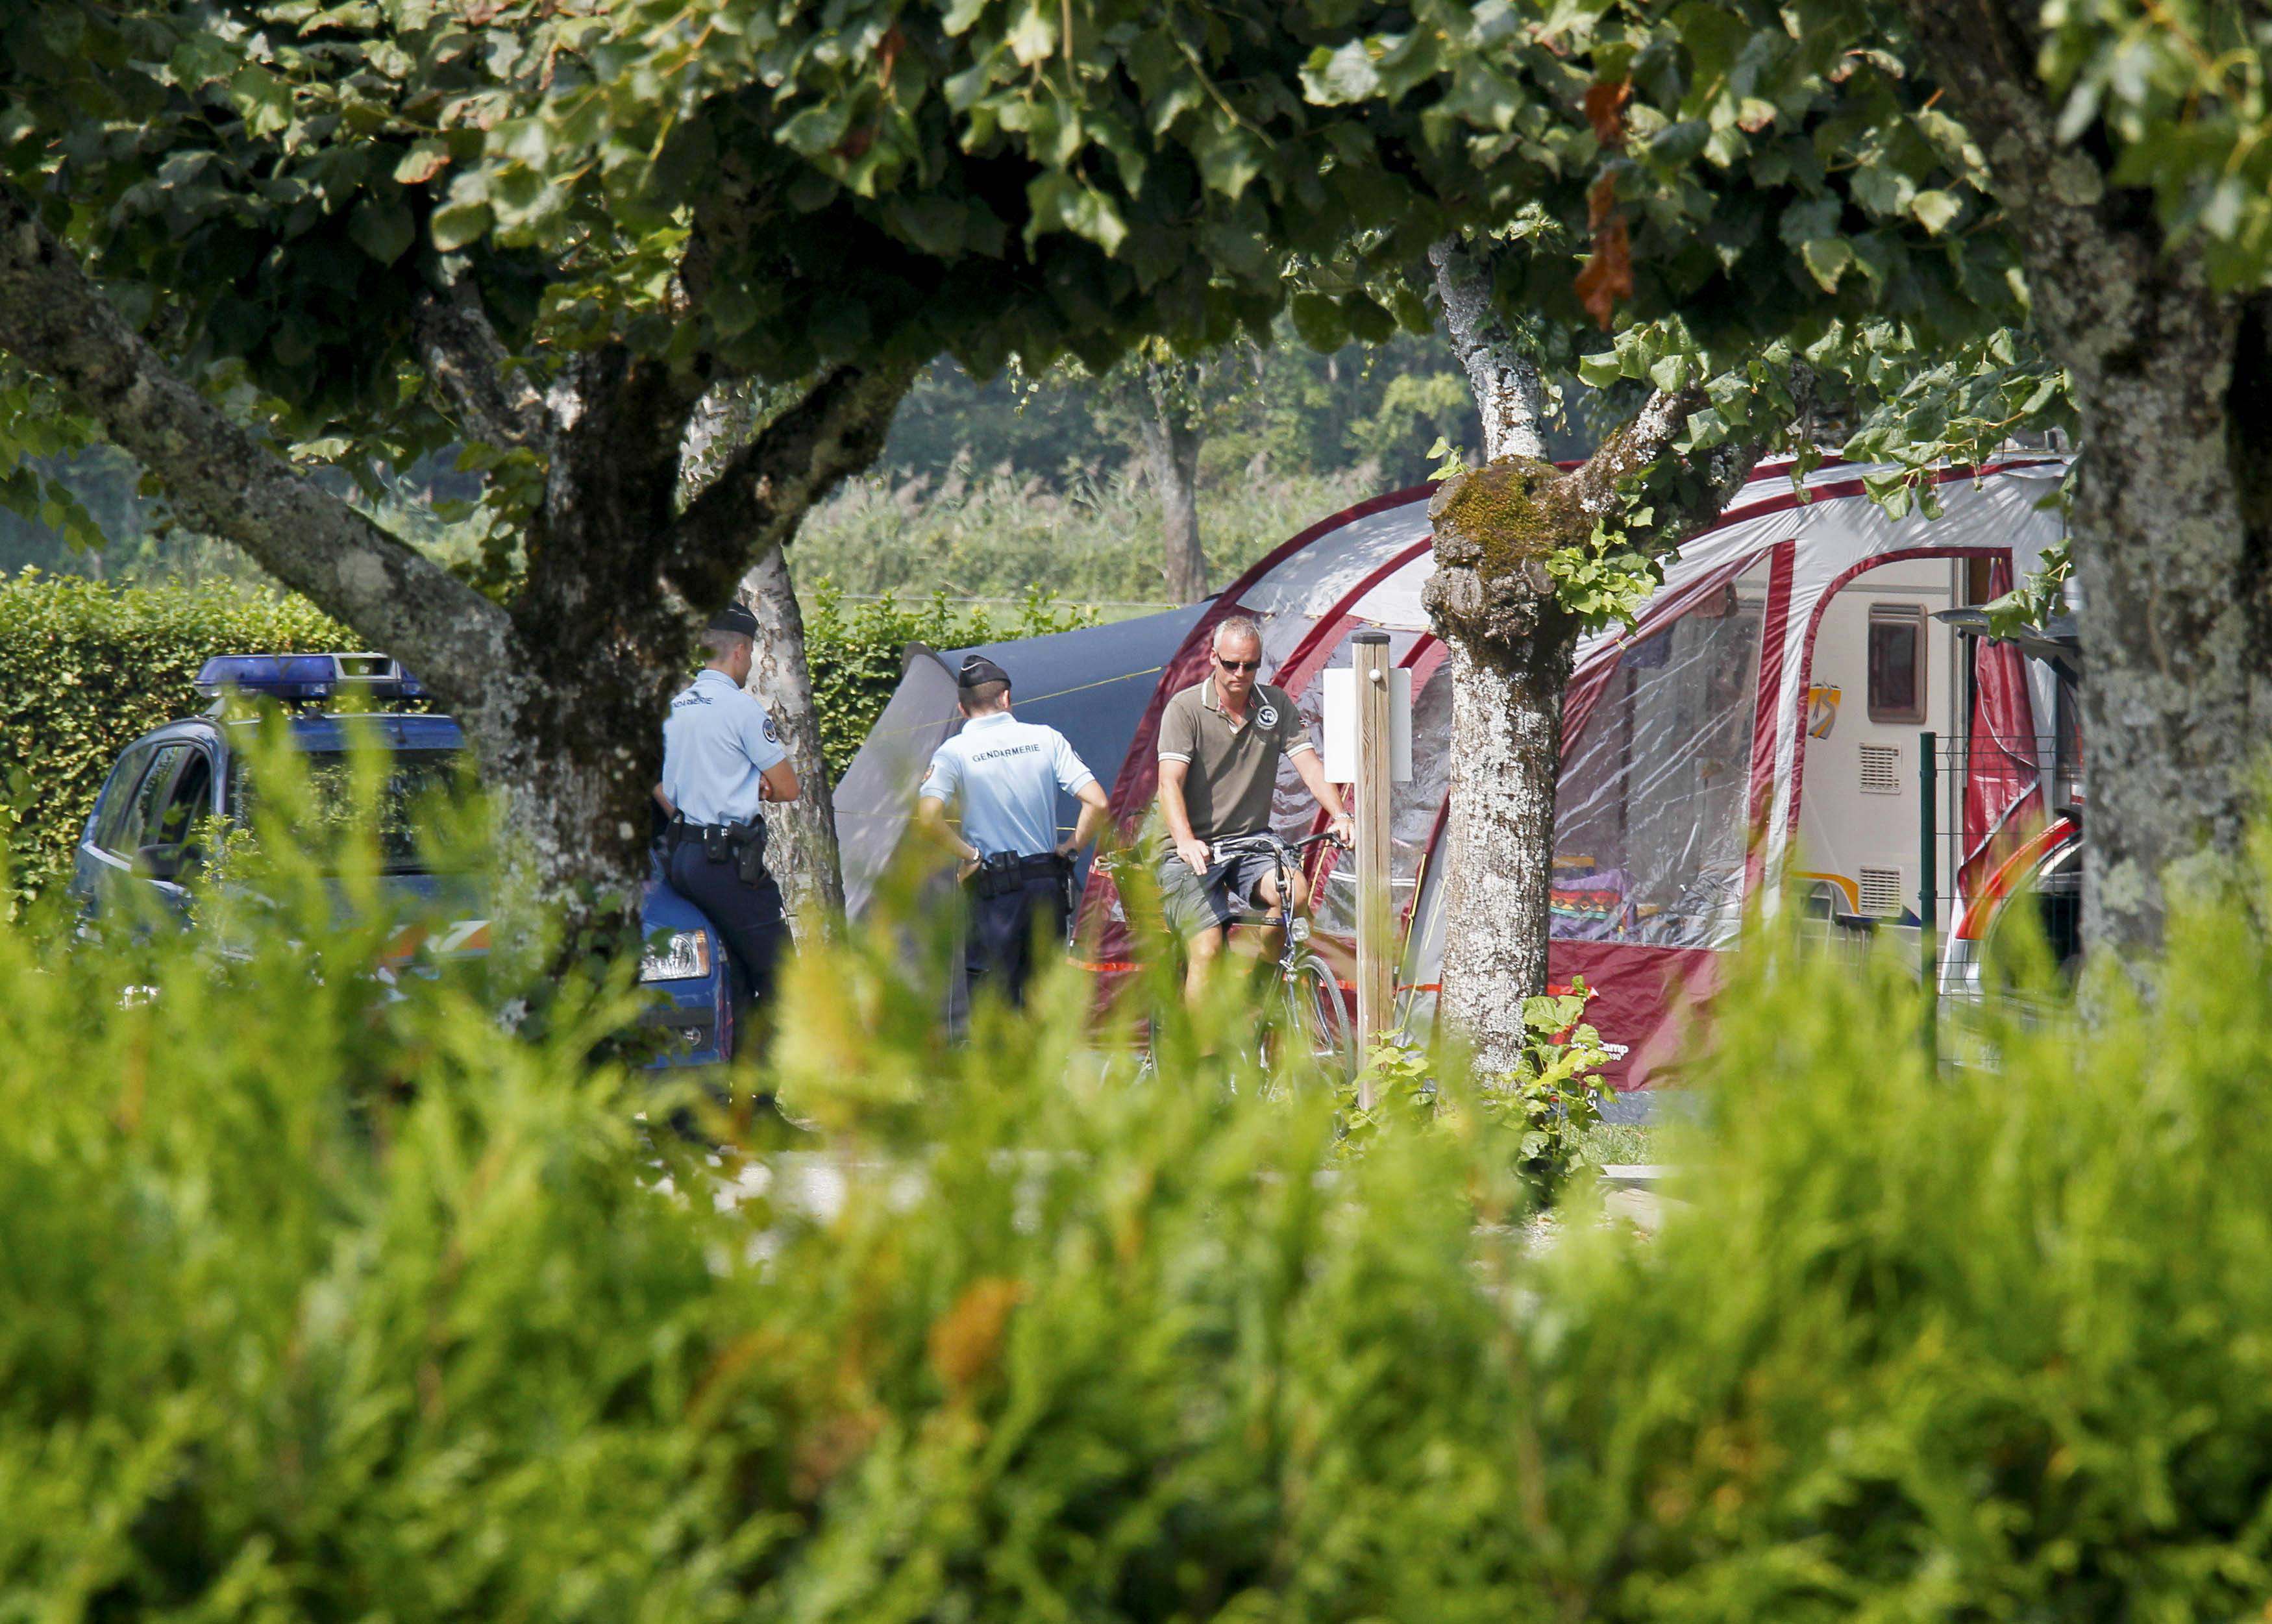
(683, 955)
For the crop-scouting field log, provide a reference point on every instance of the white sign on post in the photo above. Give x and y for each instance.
(1340, 744)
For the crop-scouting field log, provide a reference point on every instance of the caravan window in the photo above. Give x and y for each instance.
(1648, 827)
(1897, 662)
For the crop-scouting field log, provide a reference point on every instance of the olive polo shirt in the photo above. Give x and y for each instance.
(1234, 766)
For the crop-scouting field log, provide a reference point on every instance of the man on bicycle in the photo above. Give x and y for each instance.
(1220, 742)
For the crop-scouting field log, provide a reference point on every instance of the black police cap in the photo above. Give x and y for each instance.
(736, 618)
(978, 669)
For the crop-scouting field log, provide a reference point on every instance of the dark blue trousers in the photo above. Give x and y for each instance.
(748, 917)
(998, 938)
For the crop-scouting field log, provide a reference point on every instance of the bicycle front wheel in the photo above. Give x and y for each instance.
(1316, 1008)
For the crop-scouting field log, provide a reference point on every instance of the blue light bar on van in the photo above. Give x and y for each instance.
(308, 676)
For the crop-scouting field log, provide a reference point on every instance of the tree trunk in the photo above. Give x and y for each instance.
(1507, 749)
(1510, 661)
(2172, 518)
(2177, 640)
(1512, 642)
(602, 648)
(801, 834)
(1171, 450)
(1511, 646)
(573, 787)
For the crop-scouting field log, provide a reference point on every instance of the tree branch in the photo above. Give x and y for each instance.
(1504, 379)
(221, 479)
(766, 487)
(471, 369)
(1702, 483)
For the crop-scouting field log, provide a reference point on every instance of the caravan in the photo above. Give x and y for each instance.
(1764, 722)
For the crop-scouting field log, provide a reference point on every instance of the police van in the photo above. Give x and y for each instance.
(172, 789)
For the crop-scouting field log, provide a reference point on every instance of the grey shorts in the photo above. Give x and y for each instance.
(1195, 902)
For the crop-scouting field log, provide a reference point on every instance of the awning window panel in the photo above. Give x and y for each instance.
(1649, 817)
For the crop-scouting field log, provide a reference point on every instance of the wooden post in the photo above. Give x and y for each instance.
(1376, 948)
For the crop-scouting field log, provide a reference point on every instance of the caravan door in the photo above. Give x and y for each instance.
(1883, 671)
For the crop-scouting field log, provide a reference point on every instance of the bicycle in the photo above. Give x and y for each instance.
(1306, 1003)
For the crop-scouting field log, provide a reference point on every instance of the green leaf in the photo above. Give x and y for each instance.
(1058, 202)
(1882, 189)
(1033, 37)
(1337, 78)
(1317, 321)
(1935, 209)
(201, 59)
(426, 159)
(264, 100)
(1600, 371)
(383, 228)
(731, 309)
(1229, 157)
(1827, 259)
(1808, 221)
(456, 224)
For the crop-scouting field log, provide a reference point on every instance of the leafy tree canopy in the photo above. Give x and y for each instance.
(1762, 172)
(269, 188)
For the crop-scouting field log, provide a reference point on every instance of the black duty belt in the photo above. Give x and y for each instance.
(742, 844)
(1006, 870)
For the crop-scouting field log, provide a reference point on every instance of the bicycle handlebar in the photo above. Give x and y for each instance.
(1266, 841)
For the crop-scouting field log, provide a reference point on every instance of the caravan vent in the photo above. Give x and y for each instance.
(1880, 892)
(1882, 769)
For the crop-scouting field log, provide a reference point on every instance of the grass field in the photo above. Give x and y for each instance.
(1094, 538)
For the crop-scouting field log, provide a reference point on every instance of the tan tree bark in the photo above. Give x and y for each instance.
(801, 834)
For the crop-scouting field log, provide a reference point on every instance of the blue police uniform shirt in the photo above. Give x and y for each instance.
(1006, 773)
(716, 745)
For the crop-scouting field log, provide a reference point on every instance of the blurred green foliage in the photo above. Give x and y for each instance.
(324, 1298)
(985, 487)
(1278, 406)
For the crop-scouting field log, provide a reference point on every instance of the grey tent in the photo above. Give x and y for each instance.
(1091, 684)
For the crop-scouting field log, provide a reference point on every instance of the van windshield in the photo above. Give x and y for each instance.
(420, 787)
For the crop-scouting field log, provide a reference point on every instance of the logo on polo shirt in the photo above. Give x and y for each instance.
(773, 735)
(1267, 715)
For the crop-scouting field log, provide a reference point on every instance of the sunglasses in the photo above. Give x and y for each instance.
(1239, 665)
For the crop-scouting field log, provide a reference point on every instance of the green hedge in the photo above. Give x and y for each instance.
(857, 651)
(86, 668)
